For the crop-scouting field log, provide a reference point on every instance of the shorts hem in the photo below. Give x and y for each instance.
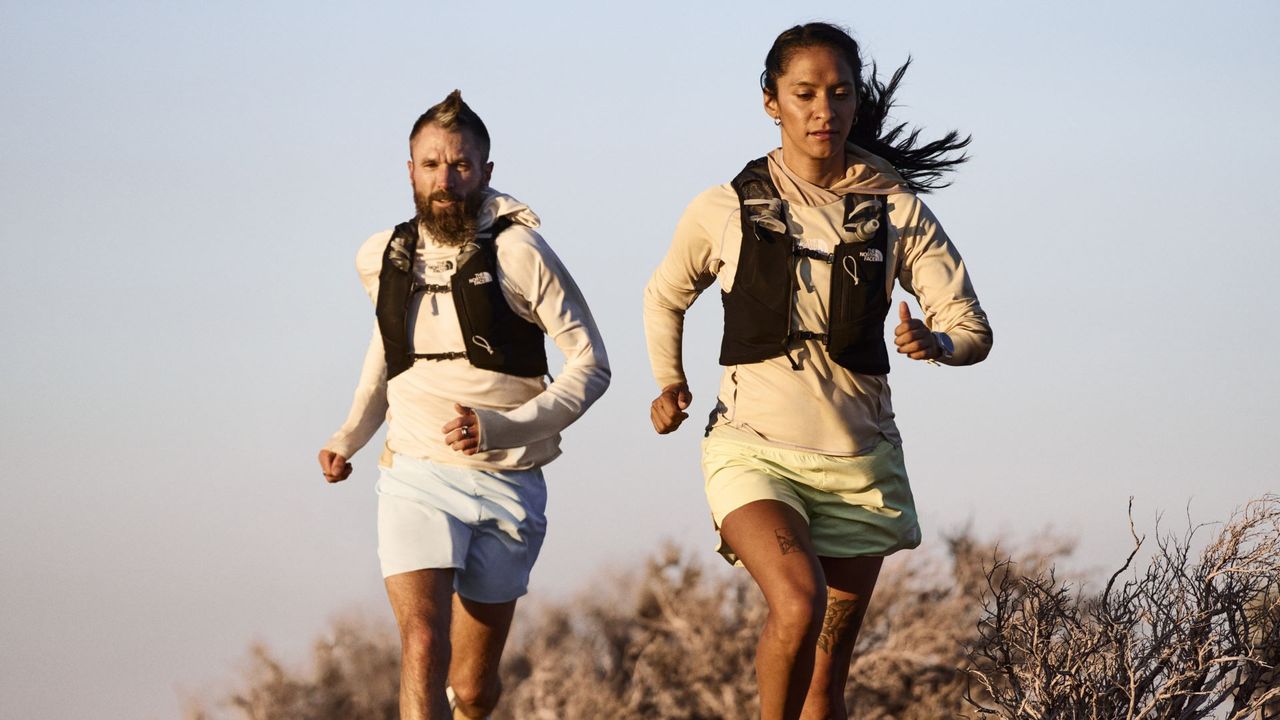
(745, 501)
(503, 598)
(416, 568)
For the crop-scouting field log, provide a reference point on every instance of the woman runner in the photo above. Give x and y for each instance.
(803, 462)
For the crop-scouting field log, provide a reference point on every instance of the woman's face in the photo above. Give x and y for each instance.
(816, 102)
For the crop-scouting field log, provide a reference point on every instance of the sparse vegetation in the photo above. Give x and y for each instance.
(1191, 636)
(972, 633)
(354, 675)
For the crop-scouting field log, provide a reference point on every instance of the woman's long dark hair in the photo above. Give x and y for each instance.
(923, 166)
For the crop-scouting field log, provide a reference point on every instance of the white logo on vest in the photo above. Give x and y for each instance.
(872, 255)
(481, 278)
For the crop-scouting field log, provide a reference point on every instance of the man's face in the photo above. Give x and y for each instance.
(449, 176)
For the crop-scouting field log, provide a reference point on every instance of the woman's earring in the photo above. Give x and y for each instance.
(777, 121)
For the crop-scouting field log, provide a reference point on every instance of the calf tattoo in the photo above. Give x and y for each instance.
(842, 617)
(787, 541)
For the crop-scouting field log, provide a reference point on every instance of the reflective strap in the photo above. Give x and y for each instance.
(432, 289)
(439, 356)
(813, 254)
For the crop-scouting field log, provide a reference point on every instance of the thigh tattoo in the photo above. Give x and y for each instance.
(787, 541)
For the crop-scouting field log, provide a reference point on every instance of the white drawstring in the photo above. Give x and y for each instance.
(854, 272)
(482, 343)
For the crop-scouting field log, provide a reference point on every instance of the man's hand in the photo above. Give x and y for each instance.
(914, 339)
(667, 410)
(334, 466)
(463, 432)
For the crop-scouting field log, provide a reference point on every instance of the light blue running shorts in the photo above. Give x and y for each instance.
(487, 525)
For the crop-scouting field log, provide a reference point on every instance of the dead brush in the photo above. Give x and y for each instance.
(949, 634)
(1188, 637)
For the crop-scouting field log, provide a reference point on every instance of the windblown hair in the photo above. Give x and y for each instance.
(923, 166)
(454, 114)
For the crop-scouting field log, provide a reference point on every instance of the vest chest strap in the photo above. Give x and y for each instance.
(430, 289)
(802, 335)
(439, 356)
(800, 251)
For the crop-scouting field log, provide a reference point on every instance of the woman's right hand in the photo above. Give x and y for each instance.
(667, 410)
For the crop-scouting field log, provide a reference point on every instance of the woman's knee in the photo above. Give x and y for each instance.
(796, 612)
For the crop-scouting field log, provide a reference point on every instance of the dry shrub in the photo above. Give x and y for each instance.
(670, 643)
(911, 656)
(354, 675)
(1189, 637)
(675, 640)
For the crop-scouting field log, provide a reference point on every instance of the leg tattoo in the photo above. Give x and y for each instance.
(787, 541)
(841, 616)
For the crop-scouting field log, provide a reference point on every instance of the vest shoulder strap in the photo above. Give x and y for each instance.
(496, 337)
(395, 283)
(758, 197)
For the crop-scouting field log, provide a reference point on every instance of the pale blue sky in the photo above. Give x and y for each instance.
(182, 190)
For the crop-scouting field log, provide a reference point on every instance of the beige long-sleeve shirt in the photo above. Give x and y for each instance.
(822, 407)
(520, 418)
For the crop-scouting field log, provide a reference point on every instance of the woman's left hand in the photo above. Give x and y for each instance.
(914, 339)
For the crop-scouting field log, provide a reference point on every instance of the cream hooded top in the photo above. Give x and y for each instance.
(520, 418)
(822, 407)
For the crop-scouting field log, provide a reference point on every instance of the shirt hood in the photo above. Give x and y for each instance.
(499, 204)
(866, 174)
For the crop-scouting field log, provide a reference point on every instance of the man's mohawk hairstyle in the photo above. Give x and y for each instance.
(449, 109)
(454, 114)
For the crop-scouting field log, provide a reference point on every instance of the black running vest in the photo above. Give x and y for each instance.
(757, 312)
(496, 337)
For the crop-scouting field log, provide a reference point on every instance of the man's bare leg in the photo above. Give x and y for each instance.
(479, 633)
(772, 539)
(850, 582)
(421, 603)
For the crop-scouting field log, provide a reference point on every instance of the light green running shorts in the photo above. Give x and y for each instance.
(855, 506)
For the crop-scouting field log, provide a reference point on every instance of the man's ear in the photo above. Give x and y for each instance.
(488, 172)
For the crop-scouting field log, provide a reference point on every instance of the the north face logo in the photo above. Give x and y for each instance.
(481, 278)
(872, 255)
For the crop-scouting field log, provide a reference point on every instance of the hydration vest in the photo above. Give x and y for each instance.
(496, 337)
(757, 312)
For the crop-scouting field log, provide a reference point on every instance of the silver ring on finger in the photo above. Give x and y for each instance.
(466, 431)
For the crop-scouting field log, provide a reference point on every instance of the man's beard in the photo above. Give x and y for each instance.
(454, 225)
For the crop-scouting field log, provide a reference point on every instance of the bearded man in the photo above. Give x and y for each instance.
(464, 294)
